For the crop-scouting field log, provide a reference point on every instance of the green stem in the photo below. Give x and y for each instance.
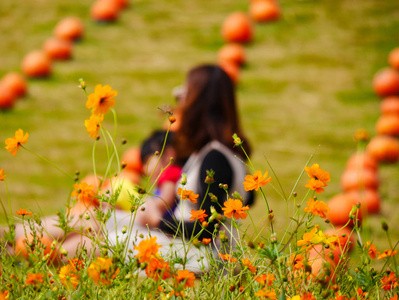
(46, 160)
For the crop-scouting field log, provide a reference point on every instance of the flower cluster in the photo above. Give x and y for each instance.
(318, 178)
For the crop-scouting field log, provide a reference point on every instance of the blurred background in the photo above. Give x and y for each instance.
(306, 88)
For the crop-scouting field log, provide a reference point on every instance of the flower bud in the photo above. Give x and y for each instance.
(63, 252)
(87, 217)
(209, 176)
(124, 229)
(237, 140)
(82, 84)
(123, 164)
(213, 197)
(124, 141)
(237, 195)
(183, 180)
(205, 224)
(384, 225)
(172, 119)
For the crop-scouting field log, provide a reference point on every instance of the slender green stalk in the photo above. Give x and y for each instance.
(49, 162)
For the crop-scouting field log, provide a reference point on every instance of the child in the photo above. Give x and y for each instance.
(165, 180)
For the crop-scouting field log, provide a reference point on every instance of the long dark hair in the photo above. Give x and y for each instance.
(208, 112)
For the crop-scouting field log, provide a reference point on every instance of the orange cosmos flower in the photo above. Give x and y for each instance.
(2, 176)
(308, 296)
(266, 279)
(387, 253)
(158, 268)
(318, 178)
(297, 261)
(93, 125)
(101, 100)
(371, 249)
(4, 295)
(394, 297)
(102, 271)
(227, 257)
(247, 263)
(254, 182)
(317, 208)
(266, 294)
(187, 195)
(69, 277)
(198, 215)
(316, 185)
(23, 212)
(34, 278)
(389, 282)
(13, 144)
(147, 249)
(318, 174)
(206, 241)
(84, 192)
(186, 277)
(234, 208)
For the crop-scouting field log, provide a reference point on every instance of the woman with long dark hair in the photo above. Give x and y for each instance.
(209, 118)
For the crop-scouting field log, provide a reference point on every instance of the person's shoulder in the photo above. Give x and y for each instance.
(215, 154)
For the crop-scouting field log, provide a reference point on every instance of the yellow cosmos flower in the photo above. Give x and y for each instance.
(254, 182)
(102, 271)
(316, 236)
(13, 144)
(102, 100)
(93, 125)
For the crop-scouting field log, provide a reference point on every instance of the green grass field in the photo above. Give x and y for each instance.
(306, 87)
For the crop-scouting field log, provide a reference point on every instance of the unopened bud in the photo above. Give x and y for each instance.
(124, 141)
(82, 84)
(294, 194)
(87, 217)
(384, 225)
(237, 140)
(172, 119)
(97, 137)
(124, 229)
(213, 197)
(209, 176)
(271, 216)
(63, 252)
(123, 164)
(183, 180)
(205, 224)
(236, 195)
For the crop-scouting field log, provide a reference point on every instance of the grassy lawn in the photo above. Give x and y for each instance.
(306, 87)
